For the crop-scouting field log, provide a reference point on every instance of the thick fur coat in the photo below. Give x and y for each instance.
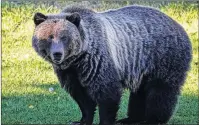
(101, 53)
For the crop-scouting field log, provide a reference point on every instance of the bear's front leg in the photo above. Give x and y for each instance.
(85, 103)
(71, 84)
(108, 111)
(109, 104)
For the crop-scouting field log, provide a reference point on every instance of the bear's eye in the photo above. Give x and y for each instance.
(63, 38)
(51, 36)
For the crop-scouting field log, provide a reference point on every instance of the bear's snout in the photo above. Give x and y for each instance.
(57, 56)
(57, 53)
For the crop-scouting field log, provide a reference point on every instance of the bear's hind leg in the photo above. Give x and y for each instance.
(160, 103)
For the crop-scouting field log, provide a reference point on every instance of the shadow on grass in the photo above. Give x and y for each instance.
(57, 107)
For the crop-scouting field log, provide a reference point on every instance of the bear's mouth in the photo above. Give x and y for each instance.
(56, 62)
(57, 57)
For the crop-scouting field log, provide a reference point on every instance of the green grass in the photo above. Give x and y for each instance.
(26, 78)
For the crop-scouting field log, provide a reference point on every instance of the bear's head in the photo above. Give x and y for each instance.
(57, 39)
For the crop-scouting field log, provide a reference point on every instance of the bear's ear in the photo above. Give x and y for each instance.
(39, 18)
(74, 18)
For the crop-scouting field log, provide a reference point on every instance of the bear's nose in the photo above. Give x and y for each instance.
(57, 56)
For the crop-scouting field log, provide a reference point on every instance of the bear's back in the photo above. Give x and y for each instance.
(143, 40)
(139, 40)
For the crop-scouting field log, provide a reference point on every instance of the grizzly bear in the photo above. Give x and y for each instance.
(96, 55)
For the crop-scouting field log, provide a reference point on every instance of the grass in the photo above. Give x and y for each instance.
(26, 78)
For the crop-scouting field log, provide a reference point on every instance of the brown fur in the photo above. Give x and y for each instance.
(49, 28)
